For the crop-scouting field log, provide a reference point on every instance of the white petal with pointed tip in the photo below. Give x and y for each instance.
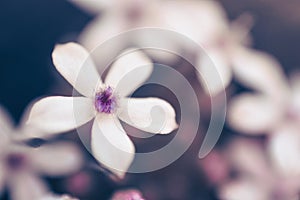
(284, 147)
(76, 66)
(110, 144)
(253, 114)
(129, 72)
(214, 70)
(60, 114)
(153, 115)
(57, 159)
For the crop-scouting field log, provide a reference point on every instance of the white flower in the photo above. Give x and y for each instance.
(104, 102)
(208, 23)
(21, 166)
(272, 104)
(274, 112)
(257, 177)
(220, 60)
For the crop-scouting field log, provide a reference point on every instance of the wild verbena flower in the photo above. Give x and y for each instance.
(105, 102)
(21, 166)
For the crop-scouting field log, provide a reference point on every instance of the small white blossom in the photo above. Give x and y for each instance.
(105, 102)
(257, 177)
(21, 165)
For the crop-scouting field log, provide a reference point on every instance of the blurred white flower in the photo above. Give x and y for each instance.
(118, 16)
(257, 177)
(275, 113)
(218, 62)
(275, 105)
(105, 103)
(21, 166)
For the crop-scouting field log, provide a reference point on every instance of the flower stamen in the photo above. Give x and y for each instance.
(105, 101)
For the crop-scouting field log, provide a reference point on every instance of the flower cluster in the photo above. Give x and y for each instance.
(260, 160)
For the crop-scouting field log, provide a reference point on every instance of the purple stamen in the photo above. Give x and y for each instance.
(105, 101)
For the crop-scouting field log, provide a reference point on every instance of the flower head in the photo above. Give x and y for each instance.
(106, 103)
(21, 165)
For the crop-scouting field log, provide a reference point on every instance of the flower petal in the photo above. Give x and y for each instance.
(253, 114)
(259, 71)
(245, 189)
(57, 159)
(214, 71)
(60, 114)
(295, 101)
(6, 126)
(284, 147)
(209, 15)
(129, 71)
(26, 186)
(56, 197)
(153, 115)
(74, 63)
(92, 6)
(110, 144)
(127, 194)
(2, 177)
(248, 157)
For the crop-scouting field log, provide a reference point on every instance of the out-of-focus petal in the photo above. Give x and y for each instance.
(259, 71)
(243, 189)
(26, 186)
(248, 157)
(56, 197)
(127, 195)
(153, 115)
(56, 159)
(2, 177)
(209, 20)
(6, 127)
(101, 30)
(253, 114)
(214, 71)
(76, 66)
(295, 101)
(110, 144)
(284, 148)
(129, 71)
(92, 6)
(60, 114)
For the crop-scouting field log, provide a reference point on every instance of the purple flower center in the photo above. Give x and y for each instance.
(105, 101)
(15, 161)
